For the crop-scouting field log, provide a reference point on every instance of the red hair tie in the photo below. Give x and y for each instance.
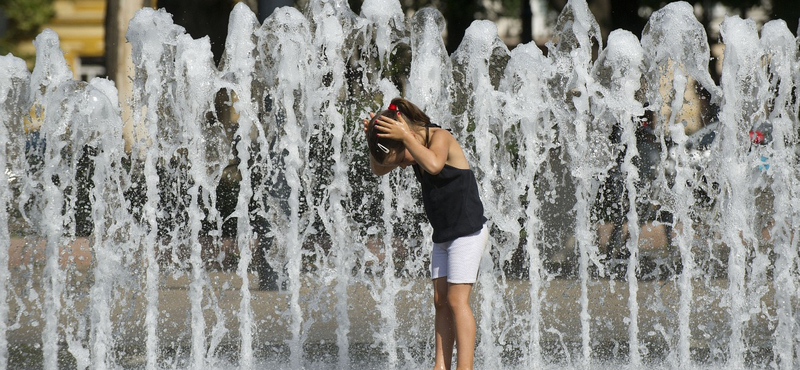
(392, 107)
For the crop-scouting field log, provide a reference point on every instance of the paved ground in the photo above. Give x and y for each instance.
(560, 312)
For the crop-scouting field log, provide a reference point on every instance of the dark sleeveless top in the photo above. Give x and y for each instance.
(451, 202)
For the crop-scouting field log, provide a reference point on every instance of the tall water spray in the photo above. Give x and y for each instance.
(673, 28)
(641, 215)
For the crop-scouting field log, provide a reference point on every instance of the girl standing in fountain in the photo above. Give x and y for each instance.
(403, 135)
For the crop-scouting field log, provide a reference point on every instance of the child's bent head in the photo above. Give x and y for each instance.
(383, 149)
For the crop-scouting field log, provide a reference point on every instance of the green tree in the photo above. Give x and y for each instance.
(24, 18)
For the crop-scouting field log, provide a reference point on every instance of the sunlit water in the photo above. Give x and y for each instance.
(244, 230)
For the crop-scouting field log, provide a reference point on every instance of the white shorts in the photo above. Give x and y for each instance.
(459, 259)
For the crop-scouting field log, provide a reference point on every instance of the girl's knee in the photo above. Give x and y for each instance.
(440, 301)
(457, 303)
(458, 298)
(440, 294)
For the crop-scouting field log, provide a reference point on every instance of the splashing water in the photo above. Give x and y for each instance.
(640, 215)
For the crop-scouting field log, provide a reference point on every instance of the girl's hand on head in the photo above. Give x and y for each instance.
(366, 122)
(393, 129)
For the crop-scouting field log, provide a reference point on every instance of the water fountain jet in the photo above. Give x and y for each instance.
(621, 234)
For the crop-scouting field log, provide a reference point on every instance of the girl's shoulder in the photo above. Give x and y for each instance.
(438, 134)
(437, 130)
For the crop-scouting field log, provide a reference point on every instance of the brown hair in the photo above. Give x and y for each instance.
(411, 114)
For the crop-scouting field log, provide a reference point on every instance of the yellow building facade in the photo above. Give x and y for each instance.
(80, 25)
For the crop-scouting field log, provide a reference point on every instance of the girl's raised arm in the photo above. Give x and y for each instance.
(430, 158)
(433, 157)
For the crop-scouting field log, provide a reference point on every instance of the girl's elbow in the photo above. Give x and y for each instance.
(435, 169)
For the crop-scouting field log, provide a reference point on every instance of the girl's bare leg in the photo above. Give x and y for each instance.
(444, 328)
(458, 297)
